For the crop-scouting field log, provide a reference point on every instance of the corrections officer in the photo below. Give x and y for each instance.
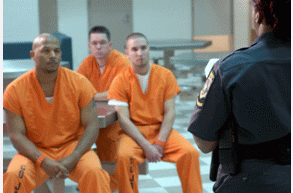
(249, 91)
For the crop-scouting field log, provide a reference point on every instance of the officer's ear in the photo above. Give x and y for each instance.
(259, 17)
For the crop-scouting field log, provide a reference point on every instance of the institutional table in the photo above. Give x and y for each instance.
(169, 46)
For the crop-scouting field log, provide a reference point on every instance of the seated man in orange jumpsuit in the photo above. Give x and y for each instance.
(100, 68)
(144, 97)
(52, 123)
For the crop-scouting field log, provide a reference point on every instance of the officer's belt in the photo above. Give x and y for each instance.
(276, 149)
(254, 152)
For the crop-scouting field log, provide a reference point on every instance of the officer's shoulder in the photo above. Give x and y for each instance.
(235, 58)
(237, 53)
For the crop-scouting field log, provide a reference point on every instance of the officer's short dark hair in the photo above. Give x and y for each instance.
(100, 29)
(277, 14)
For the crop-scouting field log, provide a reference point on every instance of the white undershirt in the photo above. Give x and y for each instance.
(102, 69)
(143, 82)
(50, 99)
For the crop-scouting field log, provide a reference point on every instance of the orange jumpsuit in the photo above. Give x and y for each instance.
(108, 137)
(54, 128)
(147, 112)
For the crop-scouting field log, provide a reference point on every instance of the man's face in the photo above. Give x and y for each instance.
(46, 54)
(99, 45)
(137, 51)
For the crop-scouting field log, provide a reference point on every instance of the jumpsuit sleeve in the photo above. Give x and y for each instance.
(87, 92)
(11, 100)
(172, 87)
(84, 67)
(117, 89)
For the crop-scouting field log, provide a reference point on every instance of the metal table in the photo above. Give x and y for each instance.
(106, 114)
(169, 46)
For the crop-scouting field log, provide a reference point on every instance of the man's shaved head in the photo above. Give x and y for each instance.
(42, 38)
(46, 53)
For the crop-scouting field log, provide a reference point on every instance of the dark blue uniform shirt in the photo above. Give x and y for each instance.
(253, 85)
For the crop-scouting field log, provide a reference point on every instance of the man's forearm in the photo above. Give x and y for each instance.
(130, 129)
(90, 135)
(101, 96)
(25, 147)
(166, 126)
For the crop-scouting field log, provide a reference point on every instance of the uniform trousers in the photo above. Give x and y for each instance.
(177, 150)
(255, 176)
(24, 176)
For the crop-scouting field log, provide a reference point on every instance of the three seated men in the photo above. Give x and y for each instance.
(52, 120)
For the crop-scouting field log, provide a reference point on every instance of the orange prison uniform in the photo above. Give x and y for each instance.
(147, 112)
(54, 128)
(108, 137)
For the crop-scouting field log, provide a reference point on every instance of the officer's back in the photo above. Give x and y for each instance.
(243, 113)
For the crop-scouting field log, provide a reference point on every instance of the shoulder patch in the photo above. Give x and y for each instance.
(203, 93)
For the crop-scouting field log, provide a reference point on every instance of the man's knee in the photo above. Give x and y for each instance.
(10, 176)
(94, 173)
(15, 178)
(17, 173)
(124, 155)
(91, 169)
(190, 151)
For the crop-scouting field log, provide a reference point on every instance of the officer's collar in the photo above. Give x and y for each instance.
(264, 37)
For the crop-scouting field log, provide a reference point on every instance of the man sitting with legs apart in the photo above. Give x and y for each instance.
(52, 123)
(144, 97)
(100, 68)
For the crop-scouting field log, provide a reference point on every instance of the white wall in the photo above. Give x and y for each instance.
(73, 21)
(212, 17)
(157, 19)
(20, 20)
(162, 19)
(116, 16)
